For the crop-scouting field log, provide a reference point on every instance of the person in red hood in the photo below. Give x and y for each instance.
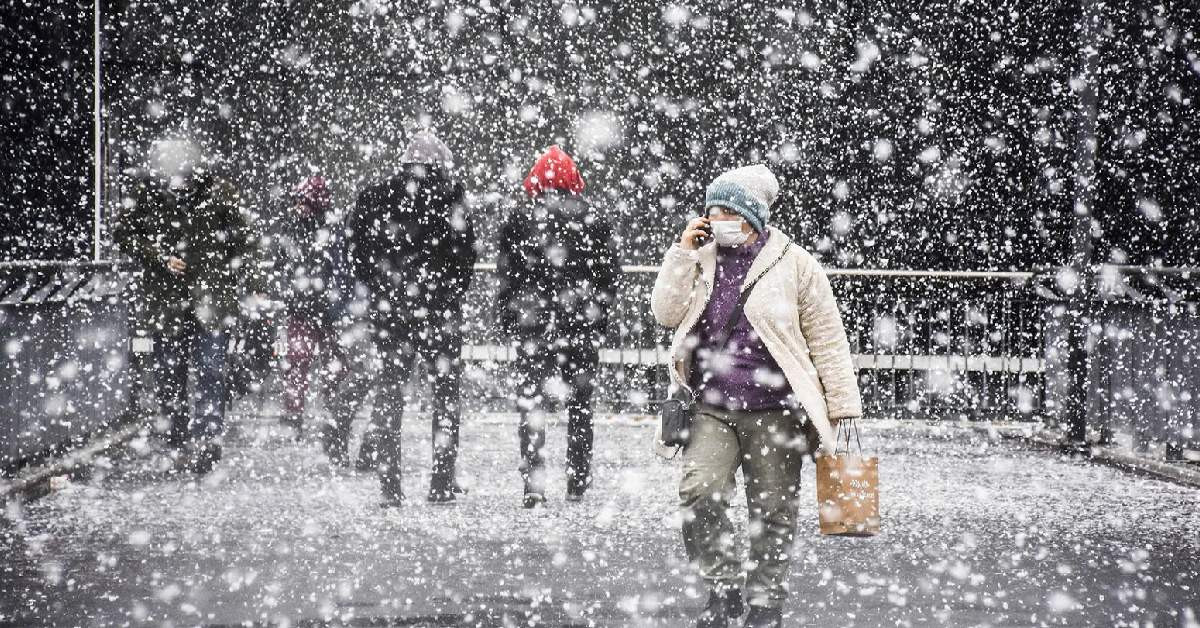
(554, 171)
(557, 271)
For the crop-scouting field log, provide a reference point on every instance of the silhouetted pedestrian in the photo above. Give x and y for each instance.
(413, 248)
(557, 270)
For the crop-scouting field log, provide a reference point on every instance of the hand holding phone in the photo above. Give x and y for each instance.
(176, 265)
(696, 234)
(707, 236)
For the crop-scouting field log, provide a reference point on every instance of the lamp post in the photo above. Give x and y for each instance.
(1079, 301)
(97, 146)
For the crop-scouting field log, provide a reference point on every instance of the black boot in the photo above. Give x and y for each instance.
(389, 469)
(763, 617)
(336, 443)
(533, 499)
(179, 437)
(451, 472)
(205, 455)
(579, 442)
(368, 452)
(441, 491)
(576, 488)
(579, 473)
(535, 492)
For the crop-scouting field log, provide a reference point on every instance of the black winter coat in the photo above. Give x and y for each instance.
(557, 270)
(304, 256)
(207, 226)
(411, 243)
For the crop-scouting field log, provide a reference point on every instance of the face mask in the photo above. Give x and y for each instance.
(729, 232)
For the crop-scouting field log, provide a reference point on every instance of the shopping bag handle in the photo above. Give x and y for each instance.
(838, 439)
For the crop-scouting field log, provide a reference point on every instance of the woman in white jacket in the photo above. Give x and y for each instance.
(776, 380)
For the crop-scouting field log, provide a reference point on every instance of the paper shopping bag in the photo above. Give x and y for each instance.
(848, 494)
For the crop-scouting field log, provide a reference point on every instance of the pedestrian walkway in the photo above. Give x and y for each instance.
(976, 532)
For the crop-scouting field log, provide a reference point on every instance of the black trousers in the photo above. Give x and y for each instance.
(559, 368)
(437, 343)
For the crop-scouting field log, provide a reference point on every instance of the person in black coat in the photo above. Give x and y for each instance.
(191, 236)
(557, 271)
(413, 248)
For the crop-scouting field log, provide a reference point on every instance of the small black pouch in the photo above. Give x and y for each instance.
(676, 414)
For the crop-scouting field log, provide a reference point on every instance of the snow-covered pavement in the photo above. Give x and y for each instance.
(976, 532)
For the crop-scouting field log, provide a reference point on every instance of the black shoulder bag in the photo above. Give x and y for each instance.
(675, 413)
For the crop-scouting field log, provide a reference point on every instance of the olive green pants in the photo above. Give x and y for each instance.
(769, 447)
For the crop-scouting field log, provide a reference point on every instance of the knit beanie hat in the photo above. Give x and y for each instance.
(750, 191)
(174, 157)
(427, 148)
(554, 170)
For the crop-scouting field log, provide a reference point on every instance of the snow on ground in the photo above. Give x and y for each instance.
(976, 532)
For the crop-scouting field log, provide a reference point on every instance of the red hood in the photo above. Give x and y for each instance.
(554, 170)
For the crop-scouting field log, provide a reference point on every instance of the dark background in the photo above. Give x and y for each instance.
(975, 100)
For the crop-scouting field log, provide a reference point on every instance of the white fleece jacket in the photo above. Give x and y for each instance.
(793, 311)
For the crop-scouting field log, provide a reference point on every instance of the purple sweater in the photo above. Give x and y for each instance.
(744, 376)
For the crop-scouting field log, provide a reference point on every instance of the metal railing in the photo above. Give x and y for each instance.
(63, 376)
(927, 344)
(42, 282)
(1142, 372)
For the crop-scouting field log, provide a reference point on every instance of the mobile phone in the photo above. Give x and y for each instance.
(707, 229)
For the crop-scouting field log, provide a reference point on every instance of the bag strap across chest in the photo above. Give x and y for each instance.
(727, 328)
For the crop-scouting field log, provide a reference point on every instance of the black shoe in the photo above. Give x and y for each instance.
(391, 491)
(715, 613)
(575, 494)
(390, 468)
(204, 457)
(763, 617)
(336, 444)
(535, 488)
(533, 500)
(441, 498)
(575, 490)
(441, 491)
(368, 452)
